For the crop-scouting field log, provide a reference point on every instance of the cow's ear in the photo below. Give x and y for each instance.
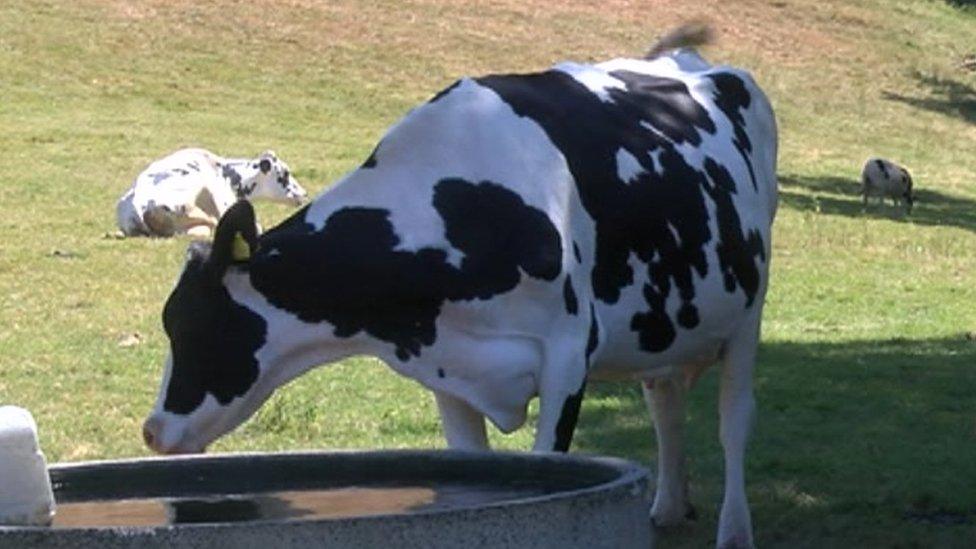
(235, 240)
(266, 159)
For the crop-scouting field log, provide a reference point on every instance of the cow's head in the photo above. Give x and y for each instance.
(213, 379)
(275, 181)
(909, 193)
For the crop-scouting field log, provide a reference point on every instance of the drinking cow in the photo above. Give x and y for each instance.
(516, 236)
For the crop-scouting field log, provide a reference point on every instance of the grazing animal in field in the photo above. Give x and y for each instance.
(885, 179)
(969, 62)
(188, 191)
(516, 236)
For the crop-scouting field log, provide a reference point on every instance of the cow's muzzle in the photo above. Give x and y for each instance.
(153, 435)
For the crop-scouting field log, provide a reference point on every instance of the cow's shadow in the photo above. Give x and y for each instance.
(833, 195)
(946, 96)
(881, 429)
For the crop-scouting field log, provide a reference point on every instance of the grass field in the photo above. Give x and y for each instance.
(866, 432)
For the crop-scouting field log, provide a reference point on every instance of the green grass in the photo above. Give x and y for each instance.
(866, 435)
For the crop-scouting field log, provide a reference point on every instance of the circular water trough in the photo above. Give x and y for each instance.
(399, 499)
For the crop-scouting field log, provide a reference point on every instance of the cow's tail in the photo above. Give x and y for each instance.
(689, 35)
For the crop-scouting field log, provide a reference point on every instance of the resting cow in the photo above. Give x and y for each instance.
(516, 236)
(188, 191)
(885, 179)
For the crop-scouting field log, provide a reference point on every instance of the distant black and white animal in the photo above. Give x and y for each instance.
(188, 191)
(517, 236)
(884, 179)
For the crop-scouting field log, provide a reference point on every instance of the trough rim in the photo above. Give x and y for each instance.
(630, 477)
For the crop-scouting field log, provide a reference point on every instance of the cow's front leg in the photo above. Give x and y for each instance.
(736, 406)
(560, 396)
(464, 427)
(666, 399)
(198, 222)
(200, 232)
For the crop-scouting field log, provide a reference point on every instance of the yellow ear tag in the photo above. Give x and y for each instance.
(240, 251)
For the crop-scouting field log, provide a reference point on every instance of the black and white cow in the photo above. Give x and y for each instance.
(187, 191)
(516, 236)
(884, 179)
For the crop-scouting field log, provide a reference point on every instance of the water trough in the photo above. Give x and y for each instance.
(400, 499)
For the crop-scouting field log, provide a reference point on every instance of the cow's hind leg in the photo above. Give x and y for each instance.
(666, 399)
(464, 427)
(736, 406)
(160, 220)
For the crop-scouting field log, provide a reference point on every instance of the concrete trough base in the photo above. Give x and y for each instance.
(574, 501)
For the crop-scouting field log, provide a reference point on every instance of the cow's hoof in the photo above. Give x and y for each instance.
(666, 519)
(736, 542)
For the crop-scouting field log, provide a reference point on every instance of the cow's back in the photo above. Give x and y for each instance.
(641, 191)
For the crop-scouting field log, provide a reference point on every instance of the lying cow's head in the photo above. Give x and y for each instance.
(275, 182)
(213, 379)
(909, 195)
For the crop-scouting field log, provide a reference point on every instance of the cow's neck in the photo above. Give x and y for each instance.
(241, 175)
(292, 347)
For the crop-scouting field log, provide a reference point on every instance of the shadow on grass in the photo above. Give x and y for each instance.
(863, 442)
(946, 96)
(839, 196)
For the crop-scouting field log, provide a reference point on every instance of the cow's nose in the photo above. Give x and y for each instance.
(150, 433)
